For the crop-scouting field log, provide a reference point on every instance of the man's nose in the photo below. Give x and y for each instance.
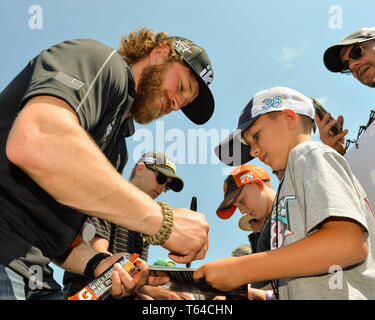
(354, 64)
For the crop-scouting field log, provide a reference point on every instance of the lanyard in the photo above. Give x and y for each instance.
(275, 283)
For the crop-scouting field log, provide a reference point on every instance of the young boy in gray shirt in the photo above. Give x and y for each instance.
(322, 224)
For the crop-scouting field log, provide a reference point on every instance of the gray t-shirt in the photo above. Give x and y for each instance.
(318, 184)
(98, 84)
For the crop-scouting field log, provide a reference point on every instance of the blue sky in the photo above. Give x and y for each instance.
(253, 45)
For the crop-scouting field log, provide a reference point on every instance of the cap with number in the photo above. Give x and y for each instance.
(240, 176)
(233, 150)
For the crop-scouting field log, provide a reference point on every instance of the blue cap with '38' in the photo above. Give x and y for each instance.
(233, 150)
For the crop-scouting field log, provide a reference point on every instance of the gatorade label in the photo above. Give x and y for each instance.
(100, 288)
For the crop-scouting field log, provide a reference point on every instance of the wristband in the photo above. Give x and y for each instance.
(270, 295)
(93, 263)
(163, 234)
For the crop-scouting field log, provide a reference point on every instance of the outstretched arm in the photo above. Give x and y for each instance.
(48, 143)
(312, 255)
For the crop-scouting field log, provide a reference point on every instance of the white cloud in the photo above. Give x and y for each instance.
(287, 55)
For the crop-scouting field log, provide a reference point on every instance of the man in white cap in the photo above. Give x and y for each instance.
(354, 54)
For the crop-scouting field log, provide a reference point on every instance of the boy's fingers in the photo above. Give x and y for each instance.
(157, 280)
(198, 274)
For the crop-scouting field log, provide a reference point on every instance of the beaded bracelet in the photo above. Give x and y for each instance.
(163, 234)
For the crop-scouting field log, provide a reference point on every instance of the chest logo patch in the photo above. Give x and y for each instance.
(280, 223)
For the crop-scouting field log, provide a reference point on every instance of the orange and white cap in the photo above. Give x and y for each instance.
(240, 176)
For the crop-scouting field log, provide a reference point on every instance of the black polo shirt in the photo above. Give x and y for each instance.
(99, 85)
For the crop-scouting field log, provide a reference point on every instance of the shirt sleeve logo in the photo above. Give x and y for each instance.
(69, 80)
(206, 75)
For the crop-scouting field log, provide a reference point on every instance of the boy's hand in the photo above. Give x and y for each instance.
(336, 142)
(223, 274)
(256, 294)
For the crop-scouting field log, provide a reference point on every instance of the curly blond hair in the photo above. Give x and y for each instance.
(138, 44)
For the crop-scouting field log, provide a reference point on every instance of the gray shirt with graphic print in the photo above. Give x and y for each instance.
(318, 184)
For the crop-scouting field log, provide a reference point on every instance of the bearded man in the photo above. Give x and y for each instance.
(64, 119)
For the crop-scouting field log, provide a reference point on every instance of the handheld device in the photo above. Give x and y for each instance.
(337, 128)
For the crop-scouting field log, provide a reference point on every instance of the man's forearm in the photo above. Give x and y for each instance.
(61, 157)
(77, 259)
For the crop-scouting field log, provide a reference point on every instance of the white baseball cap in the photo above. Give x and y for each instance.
(233, 150)
(331, 56)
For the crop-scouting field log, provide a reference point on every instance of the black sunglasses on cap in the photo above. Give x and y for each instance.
(160, 178)
(355, 53)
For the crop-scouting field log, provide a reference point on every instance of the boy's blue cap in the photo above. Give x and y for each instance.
(233, 150)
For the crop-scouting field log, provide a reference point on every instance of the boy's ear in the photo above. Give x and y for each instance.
(291, 116)
(159, 54)
(259, 183)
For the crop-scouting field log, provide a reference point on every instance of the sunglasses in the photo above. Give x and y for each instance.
(356, 53)
(160, 178)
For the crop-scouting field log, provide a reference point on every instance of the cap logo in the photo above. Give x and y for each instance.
(182, 46)
(171, 164)
(206, 75)
(276, 102)
(246, 177)
(157, 161)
